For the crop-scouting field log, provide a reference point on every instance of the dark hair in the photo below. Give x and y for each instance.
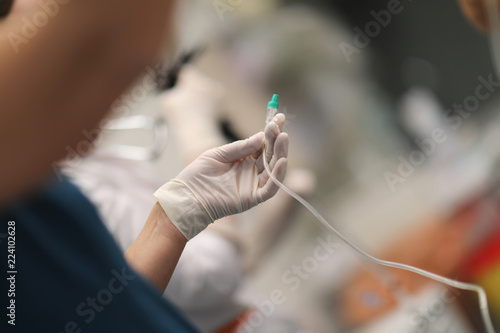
(5, 7)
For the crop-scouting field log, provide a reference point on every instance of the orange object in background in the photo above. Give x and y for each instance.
(484, 268)
(441, 247)
(436, 248)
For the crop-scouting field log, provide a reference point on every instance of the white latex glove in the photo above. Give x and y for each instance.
(226, 180)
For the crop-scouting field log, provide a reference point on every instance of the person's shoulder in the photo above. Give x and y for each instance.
(74, 260)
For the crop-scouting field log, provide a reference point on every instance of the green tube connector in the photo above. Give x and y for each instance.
(272, 108)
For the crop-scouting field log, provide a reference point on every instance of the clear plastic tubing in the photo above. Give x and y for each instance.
(483, 300)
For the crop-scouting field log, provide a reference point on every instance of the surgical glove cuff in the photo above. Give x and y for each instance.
(183, 208)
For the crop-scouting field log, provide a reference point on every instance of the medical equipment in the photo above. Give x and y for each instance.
(156, 127)
(272, 109)
(483, 301)
(167, 79)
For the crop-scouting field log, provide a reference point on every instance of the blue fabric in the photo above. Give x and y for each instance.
(71, 275)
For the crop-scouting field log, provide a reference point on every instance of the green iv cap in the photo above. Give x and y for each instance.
(274, 102)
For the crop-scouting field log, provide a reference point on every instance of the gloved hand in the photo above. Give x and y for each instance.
(226, 180)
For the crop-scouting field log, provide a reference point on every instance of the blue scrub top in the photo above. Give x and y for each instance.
(71, 276)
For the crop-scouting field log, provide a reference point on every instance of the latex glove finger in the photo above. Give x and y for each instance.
(280, 151)
(239, 149)
(272, 130)
(270, 188)
(280, 148)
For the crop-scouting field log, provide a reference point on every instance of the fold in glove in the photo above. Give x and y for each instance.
(226, 180)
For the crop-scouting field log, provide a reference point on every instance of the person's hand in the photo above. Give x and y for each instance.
(226, 180)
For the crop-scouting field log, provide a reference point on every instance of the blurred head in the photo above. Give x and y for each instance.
(485, 14)
(475, 11)
(16, 6)
(5, 6)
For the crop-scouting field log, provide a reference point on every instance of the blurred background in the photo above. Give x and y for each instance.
(392, 116)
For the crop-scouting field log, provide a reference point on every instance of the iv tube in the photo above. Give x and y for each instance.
(483, 300)
(272, 108)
